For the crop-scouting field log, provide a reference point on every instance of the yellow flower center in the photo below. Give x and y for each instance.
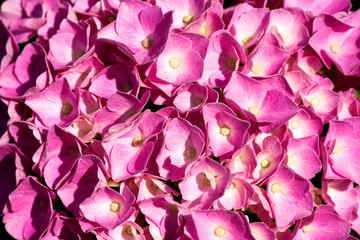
(254, 110)
(256, 69)
(290, 161)
(188, 19)
(264, 163)
(306, 229)
(314, 101)
(275, 187)
(202, 30)
(246, 40)
(294, 124)
(335, 48)
(219, 232)
(225, 131)
(174, 63)
(114, 207)
(336, 149)
(147, 43)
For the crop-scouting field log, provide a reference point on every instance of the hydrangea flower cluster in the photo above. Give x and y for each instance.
(180, 119)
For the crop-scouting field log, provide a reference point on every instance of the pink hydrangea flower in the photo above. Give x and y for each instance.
(306, 123)
(259, 100)
(61, 104)
(107, 208)
(165, 214)
(80, 76)
(24, 78)
(205, 182)
(178, 64)
(335, 41)
(220, 224)
(209, 22)
(70, 45)
(261, 231)
(129, 147)
(82, 182)
(63, 226)
(62, 150)
(29, 210)
(184, 12)
(183, 145)
(290, 26)
(342, 143)
(142, 35)
(224, 56)
(303, 156)
(318, 7)
(237, 195)
(248, 24)
(289, 195)
(225, 131)
(322, 224)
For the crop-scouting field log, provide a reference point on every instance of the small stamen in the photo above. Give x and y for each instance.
(115, 207)
(202, 31)
(256, 69)
(275, 187)
(306, 229)
(246, 40)
(231, 64)
(219, 232)
(264, 163)
(188, 19)
(314, 101)
(336, 149)
(137, 141)
(225, 131)
(254, 110)
(174, 63)
(66, 108)
(335, 48)
(294, 124)
(191, 153)
(147, 43)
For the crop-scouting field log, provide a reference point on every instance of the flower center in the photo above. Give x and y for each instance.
(305, 229)
(335, 48)
(197, 101)
(294, 124)
(188, 19)
(264, 163)
(290, 161)
(231, 64)
(314, 101)
(191, 153)
(137, 141)
(254, 110)
(174, 63)
(275, 187)
(256, 69)
(147, 43)
(225, 131)
(246, 40)
(336, 149)
(219, 232)
(202, 30)
(66, 108)
(114, 207)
